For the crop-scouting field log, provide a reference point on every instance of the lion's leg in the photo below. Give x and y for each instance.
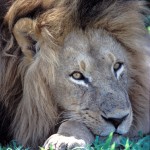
(71, 134)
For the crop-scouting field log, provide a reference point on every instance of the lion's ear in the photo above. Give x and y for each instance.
(26, 33)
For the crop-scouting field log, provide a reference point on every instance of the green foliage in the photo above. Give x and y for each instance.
(148, 28)
(13, 146)
(125, 144)
(142, 143)
(147, 20)
(104, 145)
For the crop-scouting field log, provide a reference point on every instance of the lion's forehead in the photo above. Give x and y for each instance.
(95, 47)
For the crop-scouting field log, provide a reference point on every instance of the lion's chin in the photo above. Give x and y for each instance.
(106, 129)
(116, 138)
(121, 130)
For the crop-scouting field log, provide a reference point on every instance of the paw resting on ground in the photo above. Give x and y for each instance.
(60, 142)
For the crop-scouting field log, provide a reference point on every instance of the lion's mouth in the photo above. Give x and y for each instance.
(119, 126)
(124, 127)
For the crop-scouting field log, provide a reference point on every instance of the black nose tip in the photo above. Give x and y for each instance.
(115, 121)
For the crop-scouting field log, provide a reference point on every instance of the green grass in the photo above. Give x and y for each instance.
(125, 143)
(143, 143)
(148, 29)
(12, 146)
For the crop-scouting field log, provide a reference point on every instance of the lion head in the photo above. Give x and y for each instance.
(93, 71)
(75, 61)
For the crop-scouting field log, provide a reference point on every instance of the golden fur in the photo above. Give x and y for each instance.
(30, 108)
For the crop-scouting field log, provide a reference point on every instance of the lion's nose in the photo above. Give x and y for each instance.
(115, 121)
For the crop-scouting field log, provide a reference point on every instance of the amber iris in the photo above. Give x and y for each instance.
(77, 75)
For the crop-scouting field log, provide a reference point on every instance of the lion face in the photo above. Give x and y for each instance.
(91, 82)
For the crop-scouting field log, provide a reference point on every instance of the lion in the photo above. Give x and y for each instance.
(72, 69)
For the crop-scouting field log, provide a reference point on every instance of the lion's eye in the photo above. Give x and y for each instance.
(78, 78)
(117, 66)
(118, 69)
(77, 75)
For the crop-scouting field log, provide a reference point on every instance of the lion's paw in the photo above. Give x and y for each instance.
(60, 142)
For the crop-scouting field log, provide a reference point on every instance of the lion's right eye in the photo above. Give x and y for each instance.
(77, 75)
(78, 78)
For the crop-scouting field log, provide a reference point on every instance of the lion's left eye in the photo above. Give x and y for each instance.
(117, 66)
(118, 69)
